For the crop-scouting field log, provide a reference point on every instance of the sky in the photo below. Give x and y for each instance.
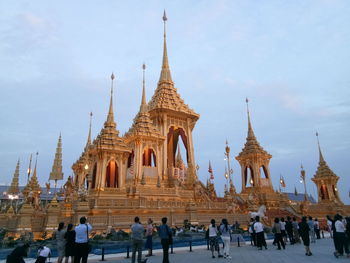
(290, 58)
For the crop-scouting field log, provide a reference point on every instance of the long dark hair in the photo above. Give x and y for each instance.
(225, 223)
(60, 226)
(69, 227)
(212, 222)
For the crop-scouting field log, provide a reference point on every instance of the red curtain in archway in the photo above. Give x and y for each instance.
(93, 184)
(112, 175)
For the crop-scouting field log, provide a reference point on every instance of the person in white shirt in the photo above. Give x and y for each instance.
(82, 241)
(259, 230)
(43, 253)
(213, 238)
(283, 230)
(340, 237)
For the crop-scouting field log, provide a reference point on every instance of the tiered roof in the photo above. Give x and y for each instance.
(252, 145)
(14, 188)
(56, 172)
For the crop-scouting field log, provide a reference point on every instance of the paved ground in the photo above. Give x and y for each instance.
(322, 253)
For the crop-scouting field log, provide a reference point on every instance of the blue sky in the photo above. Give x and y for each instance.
(290, 58)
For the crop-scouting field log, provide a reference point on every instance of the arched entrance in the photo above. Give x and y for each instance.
(173, 140)
(112, 174)
(249, 176)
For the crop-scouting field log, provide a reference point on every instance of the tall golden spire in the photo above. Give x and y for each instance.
(165, 76)
(250, 129)
(13, 189)
(252, 145)
(143, 106)
(110, 118)
(319, 150)
(89, 135)
(33, 183)
(56, 172)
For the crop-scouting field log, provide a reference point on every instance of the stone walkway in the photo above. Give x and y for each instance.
(322, 253)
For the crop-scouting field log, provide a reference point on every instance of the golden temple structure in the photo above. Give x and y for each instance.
(144, 173)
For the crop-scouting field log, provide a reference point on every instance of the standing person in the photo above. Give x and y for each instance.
(283, 230)
(347, 231)
(329, 225)
(317, 228)
(43, 253)
(17, 254)
(137, 240)
(311, 224)
(304, 230)
(149, 236)
(295, 230)
(70, 243)
(166, 238)
(213, 234)
(289, 230)
(276, 229)
(340, 237)
(82, 241)
(260, 236)
(226, 237)
(252, 232)
(60, 242)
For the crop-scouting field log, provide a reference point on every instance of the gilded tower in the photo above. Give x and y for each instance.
(145, 141)
(326, 181)
(174, 120)
(254, 161)
(14, 189)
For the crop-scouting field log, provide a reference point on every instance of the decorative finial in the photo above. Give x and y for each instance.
(319, 148)
(301, 166)
(110, 118)
(165, 75)
(143, 107)
(164, 16)
(247, 102)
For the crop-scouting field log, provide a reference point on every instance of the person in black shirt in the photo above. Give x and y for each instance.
(17, 254)
(289, 230)
(304, 233)
(69, 236)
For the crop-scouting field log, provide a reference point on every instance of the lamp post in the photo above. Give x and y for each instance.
(303, 180)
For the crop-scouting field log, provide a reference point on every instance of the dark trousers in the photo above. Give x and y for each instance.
(279, 240)
(253, 239)
(341, 243)
(136, 246)
(317, 231)
(82, 252)
(165, 245)
(40, 259)
(260, 240)
(291, 237)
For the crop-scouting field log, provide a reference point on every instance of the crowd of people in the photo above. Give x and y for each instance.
(73, 244)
